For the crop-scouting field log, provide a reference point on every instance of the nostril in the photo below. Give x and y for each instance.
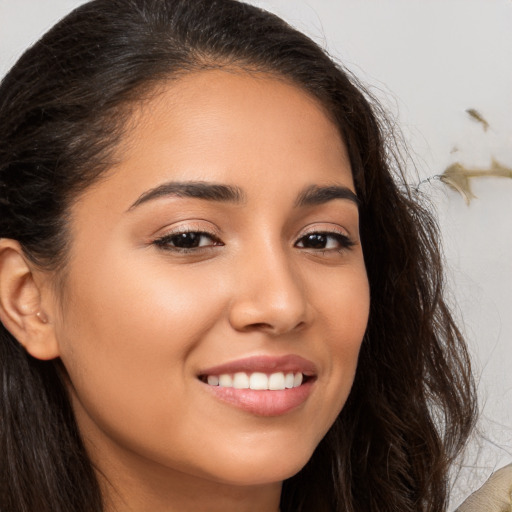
(270, 328)
(258, 326)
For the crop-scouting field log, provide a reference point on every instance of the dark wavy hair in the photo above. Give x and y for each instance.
(63, 108)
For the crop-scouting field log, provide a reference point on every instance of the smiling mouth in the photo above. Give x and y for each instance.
(265, 386)
(258, 381)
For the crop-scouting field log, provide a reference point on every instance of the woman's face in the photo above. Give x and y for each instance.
(221, 252)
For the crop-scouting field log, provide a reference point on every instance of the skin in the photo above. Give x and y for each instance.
(136, 321)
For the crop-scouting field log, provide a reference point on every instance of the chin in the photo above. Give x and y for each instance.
(264, 468)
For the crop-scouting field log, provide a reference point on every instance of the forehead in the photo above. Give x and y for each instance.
(223, 111)
(230, 127)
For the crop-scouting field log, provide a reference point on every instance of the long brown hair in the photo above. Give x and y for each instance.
(64, 106)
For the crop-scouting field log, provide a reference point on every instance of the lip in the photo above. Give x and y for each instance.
(265, 364)
(268, 402)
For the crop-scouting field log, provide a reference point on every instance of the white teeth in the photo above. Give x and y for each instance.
(276, 381)
(213, 380)
(241, 380)
(225, 381)
(258, 381)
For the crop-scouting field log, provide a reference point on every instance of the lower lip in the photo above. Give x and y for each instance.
(264, 403)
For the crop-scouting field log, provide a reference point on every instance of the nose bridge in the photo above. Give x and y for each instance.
(270, 293)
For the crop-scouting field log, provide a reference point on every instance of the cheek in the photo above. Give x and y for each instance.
(126, 332)
(348, 323)
(343, 307)
(354, 313)
(124, 303)
(340, 298)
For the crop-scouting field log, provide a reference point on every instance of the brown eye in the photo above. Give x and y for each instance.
(315, 241)
(324, 241)
(188, 240)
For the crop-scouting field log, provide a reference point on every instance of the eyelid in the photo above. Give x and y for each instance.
(177, 233)
(324, 228)
(187, 226)
(166, 244)
(162, 239)
(342, 236)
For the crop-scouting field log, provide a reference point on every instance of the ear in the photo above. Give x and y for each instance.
(21, 304)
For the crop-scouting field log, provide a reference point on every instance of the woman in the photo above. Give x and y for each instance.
(214, 294)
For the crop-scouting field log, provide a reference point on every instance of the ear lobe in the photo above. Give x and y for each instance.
(21, 310)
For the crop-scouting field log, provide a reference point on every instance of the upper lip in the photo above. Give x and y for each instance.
(264, 364)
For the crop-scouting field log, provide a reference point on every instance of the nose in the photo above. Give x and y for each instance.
(270, 294)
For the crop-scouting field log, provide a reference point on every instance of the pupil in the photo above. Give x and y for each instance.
(187, 240)
(316, 241)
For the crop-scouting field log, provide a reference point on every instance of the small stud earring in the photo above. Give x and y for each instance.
(42, 317)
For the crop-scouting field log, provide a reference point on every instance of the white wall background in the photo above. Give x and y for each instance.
(428, 61)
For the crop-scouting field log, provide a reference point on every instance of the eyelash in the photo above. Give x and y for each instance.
(167, 242)
(343, 241)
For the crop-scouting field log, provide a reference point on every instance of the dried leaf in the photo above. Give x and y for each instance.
(479, 118)
(457, 177)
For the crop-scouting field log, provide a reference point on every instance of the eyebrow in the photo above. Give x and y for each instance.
(316, 195)
(310, 196)
(193, 189)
